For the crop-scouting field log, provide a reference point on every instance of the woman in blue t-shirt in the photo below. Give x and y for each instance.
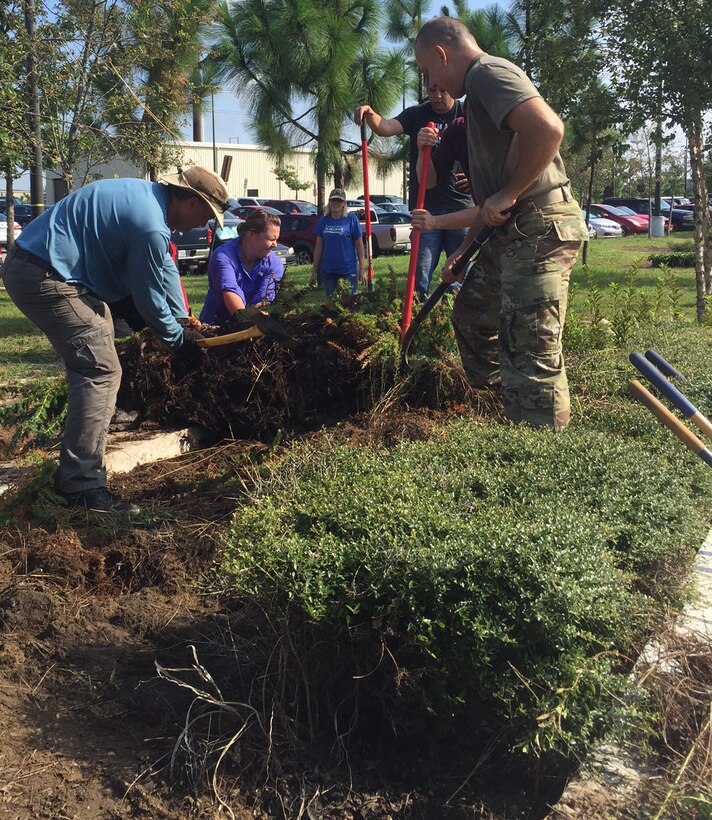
(339, 246)
(244, 271)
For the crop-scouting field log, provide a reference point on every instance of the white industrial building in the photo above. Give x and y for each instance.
(250, 172)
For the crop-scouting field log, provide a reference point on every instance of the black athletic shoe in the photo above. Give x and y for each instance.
(99, 499)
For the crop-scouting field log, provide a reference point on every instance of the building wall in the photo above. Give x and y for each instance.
(251, 171)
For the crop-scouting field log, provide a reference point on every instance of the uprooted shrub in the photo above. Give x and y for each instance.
(482, 584)
(342, 363)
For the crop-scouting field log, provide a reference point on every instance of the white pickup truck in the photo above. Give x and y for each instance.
(390, 232)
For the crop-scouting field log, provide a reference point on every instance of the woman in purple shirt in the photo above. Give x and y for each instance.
(244, 271)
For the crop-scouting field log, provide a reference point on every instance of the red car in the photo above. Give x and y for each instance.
(297, 231)
(629, 220)
(292, 206)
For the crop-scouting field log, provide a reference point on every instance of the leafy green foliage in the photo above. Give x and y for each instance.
(37, 415)
(495, 572)
(673, 260)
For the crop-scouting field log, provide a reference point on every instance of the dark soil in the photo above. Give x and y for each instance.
(87, 609)
(340, 364)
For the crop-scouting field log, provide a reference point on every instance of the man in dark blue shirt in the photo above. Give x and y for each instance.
(447, 196)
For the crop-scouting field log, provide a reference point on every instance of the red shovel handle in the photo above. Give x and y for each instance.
(415, 242)
(367, 203)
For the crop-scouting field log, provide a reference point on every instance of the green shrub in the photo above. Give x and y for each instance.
(484, 580)
(682, 259)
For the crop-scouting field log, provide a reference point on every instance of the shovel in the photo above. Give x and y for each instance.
(475, 244)
(367, 204)
(258, 325)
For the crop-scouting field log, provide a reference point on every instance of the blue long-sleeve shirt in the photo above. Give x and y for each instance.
(111, 236)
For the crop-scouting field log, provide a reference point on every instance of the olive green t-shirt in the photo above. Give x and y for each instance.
(495, 87)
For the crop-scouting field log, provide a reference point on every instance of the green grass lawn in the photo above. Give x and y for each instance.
(25, 353)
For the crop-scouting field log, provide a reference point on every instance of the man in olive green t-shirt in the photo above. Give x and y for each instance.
(509, 314)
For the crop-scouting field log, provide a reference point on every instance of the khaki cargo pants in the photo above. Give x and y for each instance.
(79, 326)
(509, 314)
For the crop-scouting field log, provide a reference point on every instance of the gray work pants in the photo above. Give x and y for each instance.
(79, 326)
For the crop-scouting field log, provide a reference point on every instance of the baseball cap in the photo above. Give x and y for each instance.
(338, 193)
(206, 184)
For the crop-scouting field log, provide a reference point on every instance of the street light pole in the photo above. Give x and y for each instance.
(215, 150)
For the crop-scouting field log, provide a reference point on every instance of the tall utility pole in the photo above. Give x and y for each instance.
(36, 173)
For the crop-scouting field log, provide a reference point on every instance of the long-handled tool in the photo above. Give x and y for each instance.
(415, 242)
(367, 203)
(668, 370)
(664, 367)
(259, 325)
(473, 247)
(687, 437)
(683, 404)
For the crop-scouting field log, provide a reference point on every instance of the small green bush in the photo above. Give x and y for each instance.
(673, 260)
(486, 579)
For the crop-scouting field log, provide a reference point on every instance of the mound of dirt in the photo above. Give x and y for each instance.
(341, 364)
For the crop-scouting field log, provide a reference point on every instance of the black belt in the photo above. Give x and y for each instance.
(33, 259)
(23, 255)
(539, 201)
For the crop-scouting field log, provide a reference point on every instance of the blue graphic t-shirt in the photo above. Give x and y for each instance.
(339, 257)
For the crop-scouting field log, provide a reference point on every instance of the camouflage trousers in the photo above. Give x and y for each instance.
(509, 314)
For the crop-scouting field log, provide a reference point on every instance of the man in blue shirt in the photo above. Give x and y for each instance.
(102, 243)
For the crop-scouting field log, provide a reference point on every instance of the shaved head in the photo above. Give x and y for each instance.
(444, 31)
(444, 49)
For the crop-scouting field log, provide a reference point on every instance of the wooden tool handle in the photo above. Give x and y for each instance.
(687, 437)
(215, 341)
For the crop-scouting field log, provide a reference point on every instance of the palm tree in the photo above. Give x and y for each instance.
(302, 66)
(491, 27)
(405, 17)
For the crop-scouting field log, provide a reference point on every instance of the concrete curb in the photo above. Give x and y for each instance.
(609, 773)
(124, 452)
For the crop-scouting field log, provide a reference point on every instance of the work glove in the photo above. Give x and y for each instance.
(191, 337)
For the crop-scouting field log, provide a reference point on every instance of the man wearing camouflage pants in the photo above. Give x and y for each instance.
(509, 314)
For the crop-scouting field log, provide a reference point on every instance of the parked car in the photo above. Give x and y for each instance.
(676, 201)
(605, 228)
(629, 220)
(250, 200)
(394, 207)
(640, 205)
(390, 232)
(193, 248)
(3, 230)
(291, 206)
(379, 199)
(243, 211)
(297, 230)
(23, 213)
(691, 208)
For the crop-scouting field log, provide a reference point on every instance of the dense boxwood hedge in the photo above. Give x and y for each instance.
(487, 578)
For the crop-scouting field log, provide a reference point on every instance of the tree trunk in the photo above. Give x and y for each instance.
(10, 200)
(197, 123)
(589, 194)
(703, 251)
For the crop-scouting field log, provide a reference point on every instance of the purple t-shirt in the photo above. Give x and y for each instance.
(452, 148)
(226, 271)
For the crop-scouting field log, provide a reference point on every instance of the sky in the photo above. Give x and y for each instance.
(232, 122)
